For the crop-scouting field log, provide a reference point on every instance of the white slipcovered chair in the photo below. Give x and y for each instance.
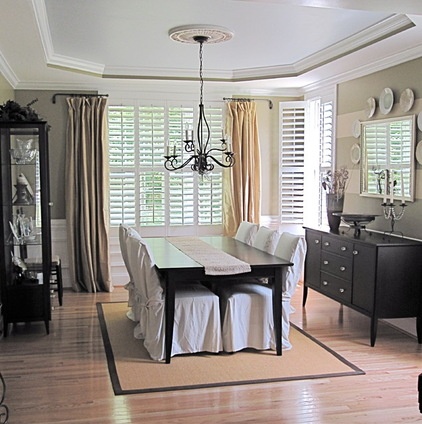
(197, 325)
(246, 308)
(124, 231)
(266, 239)
(246, 232)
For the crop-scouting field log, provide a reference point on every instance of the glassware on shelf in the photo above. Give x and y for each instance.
(24, 153)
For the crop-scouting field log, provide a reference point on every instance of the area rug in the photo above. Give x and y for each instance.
(132, 371)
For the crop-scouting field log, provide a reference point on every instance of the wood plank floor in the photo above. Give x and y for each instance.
(63, 377)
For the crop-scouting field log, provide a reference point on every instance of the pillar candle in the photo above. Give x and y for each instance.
(402, 186)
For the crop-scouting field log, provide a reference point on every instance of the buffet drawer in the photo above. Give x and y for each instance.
(336, 287)
(340, 266)
(337, 246)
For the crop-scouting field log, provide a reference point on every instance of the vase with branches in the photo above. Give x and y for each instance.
(334, 184)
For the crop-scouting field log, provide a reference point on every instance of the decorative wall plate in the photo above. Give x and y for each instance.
(371, 105)
(406, 100)
(420, 121)
(355, 153)
(386, 101)
(419, 152)
(356, 128)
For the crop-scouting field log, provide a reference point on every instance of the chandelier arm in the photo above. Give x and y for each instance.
(171, 161)
(229, 159)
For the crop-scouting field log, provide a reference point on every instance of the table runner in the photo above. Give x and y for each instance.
(215, 261)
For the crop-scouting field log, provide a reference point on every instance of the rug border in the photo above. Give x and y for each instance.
(117, 389)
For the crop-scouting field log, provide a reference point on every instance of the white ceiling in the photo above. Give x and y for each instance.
(277, 44)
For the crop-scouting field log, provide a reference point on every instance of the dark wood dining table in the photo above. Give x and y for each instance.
(175, 267)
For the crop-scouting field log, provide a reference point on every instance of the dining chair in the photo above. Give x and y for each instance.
(124, 231)
(266, 239)
(56, 281)
(246, 232)
(197, 325)
(246, 308)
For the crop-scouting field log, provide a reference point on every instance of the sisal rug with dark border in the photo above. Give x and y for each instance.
(132, 371)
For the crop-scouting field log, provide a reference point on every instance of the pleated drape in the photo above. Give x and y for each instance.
(87, 194)
(242, 183)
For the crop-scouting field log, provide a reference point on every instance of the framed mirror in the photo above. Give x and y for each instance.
(387, 158)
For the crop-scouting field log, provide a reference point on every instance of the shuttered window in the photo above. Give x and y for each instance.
(304, 125)
(142, 192)
(292, 162)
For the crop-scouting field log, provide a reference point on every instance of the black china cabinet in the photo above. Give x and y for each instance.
(25, 225)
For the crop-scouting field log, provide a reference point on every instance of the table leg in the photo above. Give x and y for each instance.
(277, 308)
(169, 312)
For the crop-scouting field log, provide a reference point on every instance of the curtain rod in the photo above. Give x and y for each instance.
(239, 99)
(77, 95)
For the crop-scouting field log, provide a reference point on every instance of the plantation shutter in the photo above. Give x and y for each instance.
(121, 123)
(292, 161)
(142, 192)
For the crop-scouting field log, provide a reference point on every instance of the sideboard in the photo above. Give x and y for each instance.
(379, 275)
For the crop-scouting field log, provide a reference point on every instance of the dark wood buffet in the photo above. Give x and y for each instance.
(379, 275)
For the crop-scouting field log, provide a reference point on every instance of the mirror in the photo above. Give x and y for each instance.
(387, 158)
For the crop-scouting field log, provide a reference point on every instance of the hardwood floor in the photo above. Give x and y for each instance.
(63, 377)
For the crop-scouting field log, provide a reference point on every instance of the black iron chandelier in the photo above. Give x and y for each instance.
(203, 155)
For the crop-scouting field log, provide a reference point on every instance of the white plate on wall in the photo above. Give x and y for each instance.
(419, 152)
(407, 99)
(420, 121)
(356, 128)
(371, 105)
(386, 100)
(355, 154)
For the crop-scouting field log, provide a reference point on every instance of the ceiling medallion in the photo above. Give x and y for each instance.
(189, 33)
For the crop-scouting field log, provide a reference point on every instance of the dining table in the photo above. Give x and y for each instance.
(175, 267)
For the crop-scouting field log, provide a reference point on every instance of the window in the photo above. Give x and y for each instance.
(292, 162)
(306, 153)
(142, 192)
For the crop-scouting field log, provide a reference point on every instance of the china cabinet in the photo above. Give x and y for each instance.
(25, 224)
(379, 275)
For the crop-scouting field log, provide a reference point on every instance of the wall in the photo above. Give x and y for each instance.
(6, 91)
(351, 102)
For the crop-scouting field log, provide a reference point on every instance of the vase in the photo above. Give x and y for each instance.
(334, 204)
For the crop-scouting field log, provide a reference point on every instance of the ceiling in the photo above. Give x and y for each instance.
(278, 45)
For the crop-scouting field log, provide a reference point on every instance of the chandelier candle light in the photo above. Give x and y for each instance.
(202, 159)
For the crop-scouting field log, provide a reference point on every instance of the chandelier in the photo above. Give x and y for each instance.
(203, 154)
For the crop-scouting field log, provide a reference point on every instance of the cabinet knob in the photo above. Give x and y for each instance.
(316, 241)
(343, 248)
(325, 262)
(50, 203)
(341, 290)
(325, 283)
(355, 252)
(326, 243)
(342, 268)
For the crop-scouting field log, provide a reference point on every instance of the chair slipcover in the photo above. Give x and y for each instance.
(266, 239)
(197, 325)
(124, 231)
(246, 308)
(246, 232)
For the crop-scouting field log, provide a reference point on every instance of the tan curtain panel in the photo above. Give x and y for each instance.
(87, 191)
(242, 183)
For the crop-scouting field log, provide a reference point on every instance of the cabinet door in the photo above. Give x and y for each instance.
(313, 258)
(364, 271)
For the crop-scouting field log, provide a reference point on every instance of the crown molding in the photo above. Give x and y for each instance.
(7, 72)
(380, 31)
